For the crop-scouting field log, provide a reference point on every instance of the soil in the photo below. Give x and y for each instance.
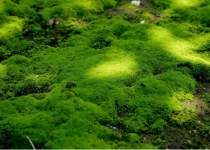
(172, 137)
(182, 138)
(133, 14)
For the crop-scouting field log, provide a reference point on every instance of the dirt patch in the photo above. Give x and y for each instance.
(198, 105)
(181, 138)
(134, 12)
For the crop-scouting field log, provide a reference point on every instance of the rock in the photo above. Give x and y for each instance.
(70, 84)
(52, 21)
(158, 14)
(136, 2)
(142, 22)
(115, 129)
(57, 22)
(189, 141)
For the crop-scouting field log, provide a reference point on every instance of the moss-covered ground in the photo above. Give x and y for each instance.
(131, 78)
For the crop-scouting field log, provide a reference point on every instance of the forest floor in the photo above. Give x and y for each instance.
(133, 11)
(171, 137)
(182, 138)
(106, 80)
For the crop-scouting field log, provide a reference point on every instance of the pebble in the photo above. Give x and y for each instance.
(113, 128)
(142, 22)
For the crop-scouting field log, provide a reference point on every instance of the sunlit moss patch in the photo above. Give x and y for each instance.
(179, 47)
(8, 30)
(120, 65)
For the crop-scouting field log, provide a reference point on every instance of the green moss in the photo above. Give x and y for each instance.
(131, 6)
(131, 76)
(185, 118)
(205, 97)
(158, 127)
(146, 16)
(133, 138)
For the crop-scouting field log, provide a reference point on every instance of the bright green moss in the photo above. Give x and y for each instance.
(133, 138)
(131, 76)
(146, 16)
(185, 118)
(10, 29)
(158, 126)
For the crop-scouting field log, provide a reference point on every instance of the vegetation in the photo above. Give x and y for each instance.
(131, 76)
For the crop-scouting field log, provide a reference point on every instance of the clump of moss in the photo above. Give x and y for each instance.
(185, 118)
(158, 126)
(132, 138)
(146, 16)
(205, 97)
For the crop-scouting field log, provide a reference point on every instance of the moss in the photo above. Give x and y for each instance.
(158, 127)
(131, 6)
(146, 16)
(132, 138)
(205, 97)
(185, 118)
(133, 76)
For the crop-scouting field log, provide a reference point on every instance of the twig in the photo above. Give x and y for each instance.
(128, 123)
(31, 143)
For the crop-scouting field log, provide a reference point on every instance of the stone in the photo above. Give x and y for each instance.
(50, 22)
(136, 2)
(70, 84)
(115, 129)
(142, 22)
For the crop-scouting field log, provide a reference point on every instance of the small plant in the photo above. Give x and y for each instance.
(133, 138)
(139, 11)
(146, 16)
(131, 6)
(185, 118)
(147, 7)
(158, 141)
(158, 126)
(122, 2)
(206, 97)
(152, 11)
